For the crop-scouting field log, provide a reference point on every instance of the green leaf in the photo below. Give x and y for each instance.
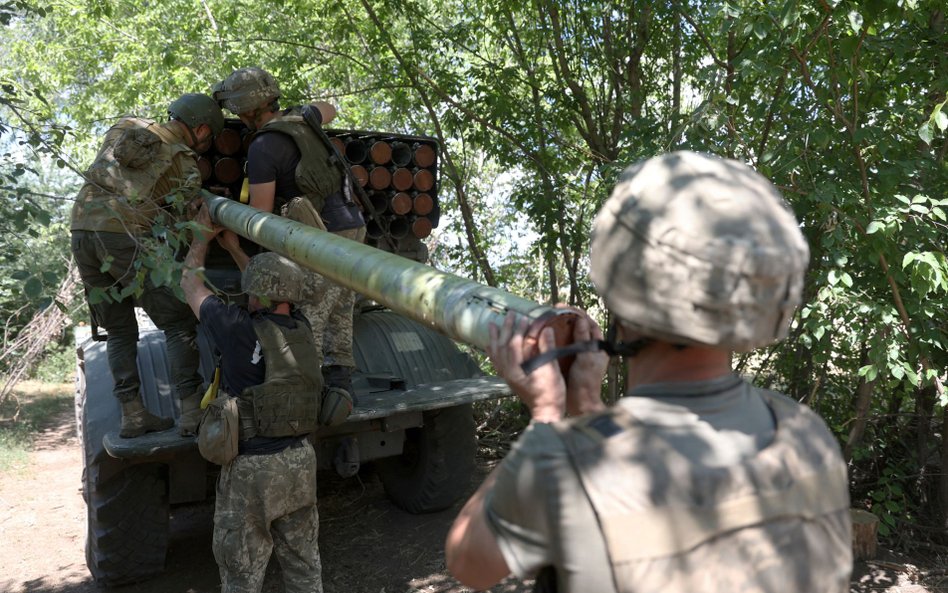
(760, 30)
(925, 133)
(847, 280)
(898, 372)
(941, 120)
(33, 288)
(869, 372)
(788, 15)
(855, 21)
(912, 376)
(874, 227)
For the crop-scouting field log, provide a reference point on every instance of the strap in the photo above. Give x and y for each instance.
(611, 348)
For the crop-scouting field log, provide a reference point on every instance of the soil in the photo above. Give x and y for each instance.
(367, 544)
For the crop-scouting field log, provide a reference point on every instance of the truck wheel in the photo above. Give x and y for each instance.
(127, 525)
(437, 463)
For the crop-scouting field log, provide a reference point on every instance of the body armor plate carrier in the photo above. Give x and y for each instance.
(315, 174)
(287, 402)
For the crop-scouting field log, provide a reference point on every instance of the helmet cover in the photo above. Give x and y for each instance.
(246, 89)
(696, 249)
(273, 277)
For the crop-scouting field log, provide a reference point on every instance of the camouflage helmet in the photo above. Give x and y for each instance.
(271, 276)
(696, 249)
(246, 89)
(195, 109)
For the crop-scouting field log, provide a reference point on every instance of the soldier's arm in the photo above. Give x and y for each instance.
(192, 279)
(263, 195)
(471, 551)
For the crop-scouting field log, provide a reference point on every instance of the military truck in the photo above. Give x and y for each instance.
(414, 386)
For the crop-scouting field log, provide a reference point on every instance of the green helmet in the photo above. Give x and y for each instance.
(195, 109)
(246, 89)
(696, 249)
(273, 277)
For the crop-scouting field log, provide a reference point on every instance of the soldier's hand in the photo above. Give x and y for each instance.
(207, 229)
(229, 240)
(584, 382)
(544, 390)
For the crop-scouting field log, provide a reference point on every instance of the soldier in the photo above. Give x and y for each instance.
(145, 173)
(266, 495)
(288, 159)
(696, 480)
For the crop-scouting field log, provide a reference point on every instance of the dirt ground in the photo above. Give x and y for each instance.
(367, 544)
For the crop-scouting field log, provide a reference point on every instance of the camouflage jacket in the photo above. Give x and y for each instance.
(142, 170)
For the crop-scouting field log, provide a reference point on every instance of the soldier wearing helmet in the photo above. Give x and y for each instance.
(145, 175)
(696, 480)
(269, 362)
(288, 161)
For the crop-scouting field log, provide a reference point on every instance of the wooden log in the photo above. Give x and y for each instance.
(865, 528)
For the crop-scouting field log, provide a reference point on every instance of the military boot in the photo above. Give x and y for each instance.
(190, 414)
(136, 420)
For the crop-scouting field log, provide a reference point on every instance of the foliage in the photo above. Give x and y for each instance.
(540, 105)
(58, 364)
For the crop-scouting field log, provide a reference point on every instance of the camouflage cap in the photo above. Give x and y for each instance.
(271, 276)
(246, 89)
(692, 248)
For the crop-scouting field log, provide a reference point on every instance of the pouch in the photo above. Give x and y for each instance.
(218, 430)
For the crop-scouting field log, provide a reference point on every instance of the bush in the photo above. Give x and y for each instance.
(58, 364)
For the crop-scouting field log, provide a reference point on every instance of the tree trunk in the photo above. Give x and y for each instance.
(943, 479)
(863, 399)
(865, 526)
(676, 75)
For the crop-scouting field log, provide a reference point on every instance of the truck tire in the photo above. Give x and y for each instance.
(127, 505)
(436, 466)
(127, 525)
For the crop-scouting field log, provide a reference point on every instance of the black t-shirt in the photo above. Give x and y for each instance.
(230, 328)
(273, 156)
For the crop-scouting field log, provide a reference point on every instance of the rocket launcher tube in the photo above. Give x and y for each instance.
(456, 307)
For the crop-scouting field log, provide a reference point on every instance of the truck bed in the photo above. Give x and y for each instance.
(375, 405)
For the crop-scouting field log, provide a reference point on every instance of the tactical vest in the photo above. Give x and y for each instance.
(287, 402)
(778, 521)
(139, 164)
(315, 174)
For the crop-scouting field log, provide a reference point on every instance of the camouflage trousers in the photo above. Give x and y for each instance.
(267, 503)
(172, 315)
(328, 307)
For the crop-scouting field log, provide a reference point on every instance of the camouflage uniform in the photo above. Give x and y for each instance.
(266, 496)
(139, 166)
(686, 485)
(328, 306)
(332, 311)
(618, 502)
(267, 503)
